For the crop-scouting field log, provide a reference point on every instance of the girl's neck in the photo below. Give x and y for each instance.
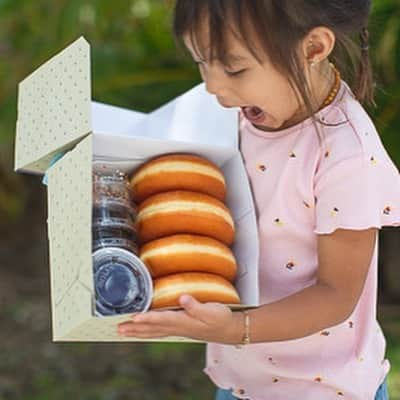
(324, 87)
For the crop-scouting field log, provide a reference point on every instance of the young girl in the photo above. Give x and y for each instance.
(323, 185)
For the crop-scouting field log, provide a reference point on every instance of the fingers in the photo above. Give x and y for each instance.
(141, 331)
(165, 317)
(196, 320)
(152, 324)
(192, 307)
(209, 313)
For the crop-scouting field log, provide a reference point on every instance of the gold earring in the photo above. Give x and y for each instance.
(313, 63)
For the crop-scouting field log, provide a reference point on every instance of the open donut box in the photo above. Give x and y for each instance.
(61, 132)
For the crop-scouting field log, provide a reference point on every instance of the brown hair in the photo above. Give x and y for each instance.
(280, 25)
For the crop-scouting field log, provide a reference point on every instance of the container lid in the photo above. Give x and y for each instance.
(121, 280)
(54, 108)
(115, 242)
(110, 206)
(111, 224)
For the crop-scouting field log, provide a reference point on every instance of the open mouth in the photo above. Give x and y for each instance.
(253, 114)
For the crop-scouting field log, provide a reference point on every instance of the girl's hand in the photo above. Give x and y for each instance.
(210, 322)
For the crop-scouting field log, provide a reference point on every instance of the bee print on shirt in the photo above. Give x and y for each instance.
(373, 160)
(326, 153)
(306, 204)
(261, 167)
(290, 265)
(318, 379)
(351, 324)
(387, 210)
(334, 212)
(325, 333)
(278, 222)
(340, 393)
(292, 155)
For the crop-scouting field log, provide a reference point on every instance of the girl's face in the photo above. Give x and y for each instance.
(246, 83)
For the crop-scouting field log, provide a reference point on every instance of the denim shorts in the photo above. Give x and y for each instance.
(381, 394)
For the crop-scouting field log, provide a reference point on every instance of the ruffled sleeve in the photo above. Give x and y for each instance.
(357, 193)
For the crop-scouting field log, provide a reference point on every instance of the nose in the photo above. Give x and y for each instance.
(214, 83)
(213, 86)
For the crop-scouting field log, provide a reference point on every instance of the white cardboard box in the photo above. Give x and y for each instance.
(56, 114)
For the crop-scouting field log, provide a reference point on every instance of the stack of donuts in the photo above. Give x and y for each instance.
(185, 230)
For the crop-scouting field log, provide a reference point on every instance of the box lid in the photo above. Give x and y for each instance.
(192, 117)
(54, 108)
(195, 117)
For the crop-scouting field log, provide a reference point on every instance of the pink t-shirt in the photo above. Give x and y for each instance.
(302, 188)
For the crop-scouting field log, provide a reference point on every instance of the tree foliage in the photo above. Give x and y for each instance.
(135, 63)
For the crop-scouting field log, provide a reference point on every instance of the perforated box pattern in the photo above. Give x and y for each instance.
(54, 109)
(69, 227)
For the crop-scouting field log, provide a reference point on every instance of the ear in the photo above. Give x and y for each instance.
(318, 44)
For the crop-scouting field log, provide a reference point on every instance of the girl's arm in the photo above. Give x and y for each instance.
(344, 259)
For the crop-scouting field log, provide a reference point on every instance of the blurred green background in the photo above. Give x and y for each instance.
(135, 64)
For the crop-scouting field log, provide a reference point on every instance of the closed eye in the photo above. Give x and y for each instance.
(229, 73)
(235, 73)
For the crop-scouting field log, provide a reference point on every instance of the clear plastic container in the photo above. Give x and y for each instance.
(123, 283)
(106, 208)
(113, 222)
(112, 214)
(115, 236)
(112, 188)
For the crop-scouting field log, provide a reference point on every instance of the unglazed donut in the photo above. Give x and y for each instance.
(181, 211)
(185, 253)
(178, 172)
(202, 286)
